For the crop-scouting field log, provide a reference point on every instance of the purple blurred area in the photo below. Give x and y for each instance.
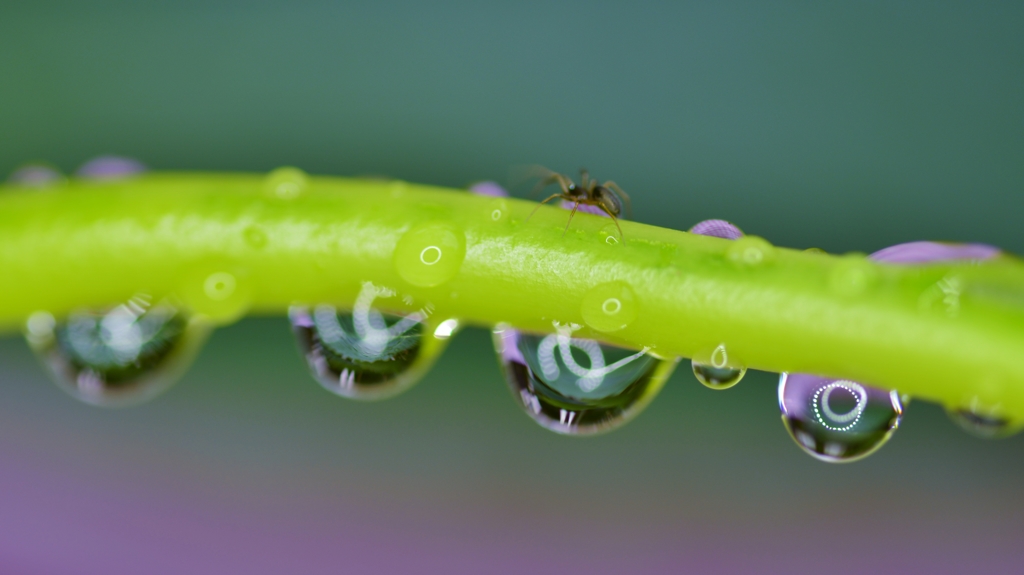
(247, 466)
(110, 167)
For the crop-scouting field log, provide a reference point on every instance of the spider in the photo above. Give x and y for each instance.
(607, 197)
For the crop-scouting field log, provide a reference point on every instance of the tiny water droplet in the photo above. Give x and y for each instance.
(853, 275)
(609, 307)
(219, 293)
(983, 420)
(255, 237)
(36, 176)
(119, 356)
(364, 353)
(716, 369)
(837, 420)
(750, 251)
(718, 229)
(430, 254)
(286, 183)
(578, 386)
(110, 168)
(611, 235)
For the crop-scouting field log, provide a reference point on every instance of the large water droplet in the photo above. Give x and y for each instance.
(578, 386)
(365, 353)
(120, 356)
(837, 420)
(716, 370)
(430, 254)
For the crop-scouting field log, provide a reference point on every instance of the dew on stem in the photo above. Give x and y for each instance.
(716, 370)
(123, 355)
(365, 353)
(837, 420)
(577, 386)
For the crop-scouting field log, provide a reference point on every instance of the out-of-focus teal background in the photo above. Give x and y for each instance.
(848, 128)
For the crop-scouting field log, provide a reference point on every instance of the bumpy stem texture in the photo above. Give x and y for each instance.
(224, 245)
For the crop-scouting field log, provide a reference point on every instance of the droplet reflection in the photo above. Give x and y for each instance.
(121, 356)
(364, 353)
(577, 386)
(837, 420)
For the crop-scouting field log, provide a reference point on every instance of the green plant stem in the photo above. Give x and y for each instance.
(225, 245)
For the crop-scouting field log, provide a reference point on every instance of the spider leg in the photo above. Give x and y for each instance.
(553, 178)
(546, 200)
(615, 221)
(571, 214)
(615, 188)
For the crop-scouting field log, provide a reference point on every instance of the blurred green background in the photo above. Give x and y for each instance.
(846, 127)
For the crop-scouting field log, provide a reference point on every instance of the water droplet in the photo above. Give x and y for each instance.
(750, 251)
(852, 276)
(120, 356)
(110, 168)
(716, 370)
(609, 307)
(365, 353)
(718, 229)
(837, 420)
(255, 237)
(286, 183)
(578, 386)
(611, 234)
(985, 421)
(220, 294)
(430, 254)
(36, 176)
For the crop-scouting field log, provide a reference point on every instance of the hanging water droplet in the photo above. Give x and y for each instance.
(36, 175)
(120, 356)
(430, 254)
(110, 168)
(364, 353)
(837, 420)
(578, 386)
(985, 421)
(716, 370)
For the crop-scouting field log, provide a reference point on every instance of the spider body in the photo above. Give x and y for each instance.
(607, 197)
